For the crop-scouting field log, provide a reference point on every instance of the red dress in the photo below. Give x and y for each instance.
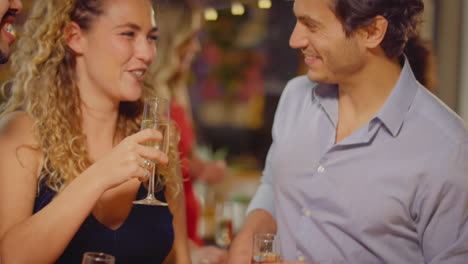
(187, 137)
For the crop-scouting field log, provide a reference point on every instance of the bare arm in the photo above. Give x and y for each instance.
(258, 221)
(46, 234)
(20, 231)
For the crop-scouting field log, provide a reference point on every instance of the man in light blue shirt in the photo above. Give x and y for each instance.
(366, 166)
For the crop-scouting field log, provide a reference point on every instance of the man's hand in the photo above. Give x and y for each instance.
(258, 221)
(241, 249)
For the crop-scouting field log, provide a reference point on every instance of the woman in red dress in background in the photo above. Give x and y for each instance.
(179, 23)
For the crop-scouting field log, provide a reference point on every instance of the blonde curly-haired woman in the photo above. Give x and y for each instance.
(71, 158)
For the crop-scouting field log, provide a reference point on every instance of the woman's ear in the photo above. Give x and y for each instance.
(376, 32)
(75, 38)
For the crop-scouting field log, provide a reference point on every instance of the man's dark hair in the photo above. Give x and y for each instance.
(402, 16)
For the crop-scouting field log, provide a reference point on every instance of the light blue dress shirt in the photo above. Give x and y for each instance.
(395, 191)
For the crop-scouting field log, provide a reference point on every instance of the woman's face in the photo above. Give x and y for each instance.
(118, 49)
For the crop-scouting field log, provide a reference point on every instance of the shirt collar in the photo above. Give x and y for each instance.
(327, 96)
(392, 113)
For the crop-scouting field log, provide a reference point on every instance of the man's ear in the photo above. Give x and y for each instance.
(75, 38)
(375, 32)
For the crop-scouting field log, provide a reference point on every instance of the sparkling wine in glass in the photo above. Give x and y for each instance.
(97, 258)
(156, 115)
(265, 248)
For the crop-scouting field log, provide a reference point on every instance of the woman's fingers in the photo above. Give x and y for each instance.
(136, 144)
(146, 135)
(145, 175)
(153, 154)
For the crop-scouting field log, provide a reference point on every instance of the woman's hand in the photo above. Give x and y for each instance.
(127, 160)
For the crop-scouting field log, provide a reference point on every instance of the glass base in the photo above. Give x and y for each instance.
(149, 201)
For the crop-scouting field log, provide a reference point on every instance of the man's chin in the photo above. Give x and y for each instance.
(314, 77)
(319, 78)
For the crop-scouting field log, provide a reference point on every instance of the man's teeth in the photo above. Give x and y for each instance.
(8, 28)
(138, 73)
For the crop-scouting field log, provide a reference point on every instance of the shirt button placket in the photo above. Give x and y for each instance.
(321, 169)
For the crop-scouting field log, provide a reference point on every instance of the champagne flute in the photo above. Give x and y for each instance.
(156, 115)
(265, 248)
(97, 258)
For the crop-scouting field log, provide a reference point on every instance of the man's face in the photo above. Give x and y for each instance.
(330, 55)
(8, 10)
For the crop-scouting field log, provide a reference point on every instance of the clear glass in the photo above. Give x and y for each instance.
(265, 248)
(223, 224)
(156, 115)
(97, 258)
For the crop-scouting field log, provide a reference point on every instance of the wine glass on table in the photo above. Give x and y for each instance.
(156, 115)
(265, 248)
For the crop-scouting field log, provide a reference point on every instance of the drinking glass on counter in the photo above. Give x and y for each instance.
(97, 258)
(266, 248)
(223, 224)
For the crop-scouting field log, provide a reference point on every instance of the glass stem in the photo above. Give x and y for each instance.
(151, 181)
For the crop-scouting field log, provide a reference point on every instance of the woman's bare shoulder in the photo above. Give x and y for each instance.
(17, 136)
(17, 127)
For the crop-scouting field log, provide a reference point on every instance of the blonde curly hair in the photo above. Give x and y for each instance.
(45, 86)
(176, 19)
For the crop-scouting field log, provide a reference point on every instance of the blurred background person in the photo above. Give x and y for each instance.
(178, 44)
(71, 156)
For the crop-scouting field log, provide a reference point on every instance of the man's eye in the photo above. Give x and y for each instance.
(154, 38)
(128, 34)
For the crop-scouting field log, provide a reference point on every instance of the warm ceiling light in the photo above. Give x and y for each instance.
(210, 14)
(264, 4)
(237, 9)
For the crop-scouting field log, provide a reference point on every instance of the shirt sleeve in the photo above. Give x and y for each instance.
(443, 229)
(263, 198)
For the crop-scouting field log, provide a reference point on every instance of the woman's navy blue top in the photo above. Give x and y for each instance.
(146, 236)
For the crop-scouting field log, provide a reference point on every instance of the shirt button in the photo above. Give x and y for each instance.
(307, 212)
(300, 258)
(320, 169)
